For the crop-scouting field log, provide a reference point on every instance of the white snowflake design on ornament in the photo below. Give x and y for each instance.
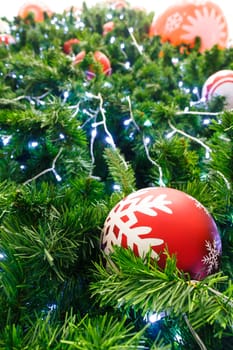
(123, 217)
(202, 20)
(173, 22)
(211, 260)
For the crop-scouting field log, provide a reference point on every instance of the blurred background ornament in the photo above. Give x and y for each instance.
(35, 8)
(219, 84)
(183, 22)
(98, 57)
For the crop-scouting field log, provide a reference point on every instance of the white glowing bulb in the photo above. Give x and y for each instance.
(127, 122)
(170, 134)
(206, 121)
(66, 94)
(94, 132)
(109, 140)
(175, 60)
(207, 154)
(155, 317)
(2, 256)
(127, 65)
(6, 140)
(57, 176)
(112, 39)
(147, 140)
(33, 144)
(147, 123)
(116, 187)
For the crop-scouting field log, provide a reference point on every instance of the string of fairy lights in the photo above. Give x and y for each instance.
(92, 115)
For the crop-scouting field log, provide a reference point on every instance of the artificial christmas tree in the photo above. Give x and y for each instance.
(71, 148)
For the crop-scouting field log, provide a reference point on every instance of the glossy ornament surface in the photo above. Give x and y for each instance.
(157, 218)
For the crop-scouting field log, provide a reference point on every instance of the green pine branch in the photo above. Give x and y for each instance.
(129, 282)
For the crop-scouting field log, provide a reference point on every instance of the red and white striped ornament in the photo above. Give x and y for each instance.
(219, 84)
(157, 218)
(7, 39)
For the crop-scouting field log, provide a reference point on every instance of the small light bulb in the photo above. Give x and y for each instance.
(2, 256)
(94, 132)
(127, 122)
(127, 65)
(206, 121)
(112, 39)
(147, 123)
(116, 187)
(147, 140)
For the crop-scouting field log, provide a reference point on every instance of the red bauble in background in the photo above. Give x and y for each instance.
(157, 218)
(36, 8)
(68, 45)
(219, 84)
(7, 39)
(184, 21)
(108, 27)
(99, 57)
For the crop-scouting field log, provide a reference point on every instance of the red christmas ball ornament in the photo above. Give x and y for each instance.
(219, 84)
(184, 21)
(99, 57)
(36, 8)
(157, 218)
(79, 57)
(68, 45)
(7, 39)
(108, 27)
(104, 61)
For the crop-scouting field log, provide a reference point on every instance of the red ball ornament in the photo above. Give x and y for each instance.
(7, 39)
(68, 45)
(36, 8)
(157, 218)
(184, 21)
(99, 57)
(108, 27)
(219, 84)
